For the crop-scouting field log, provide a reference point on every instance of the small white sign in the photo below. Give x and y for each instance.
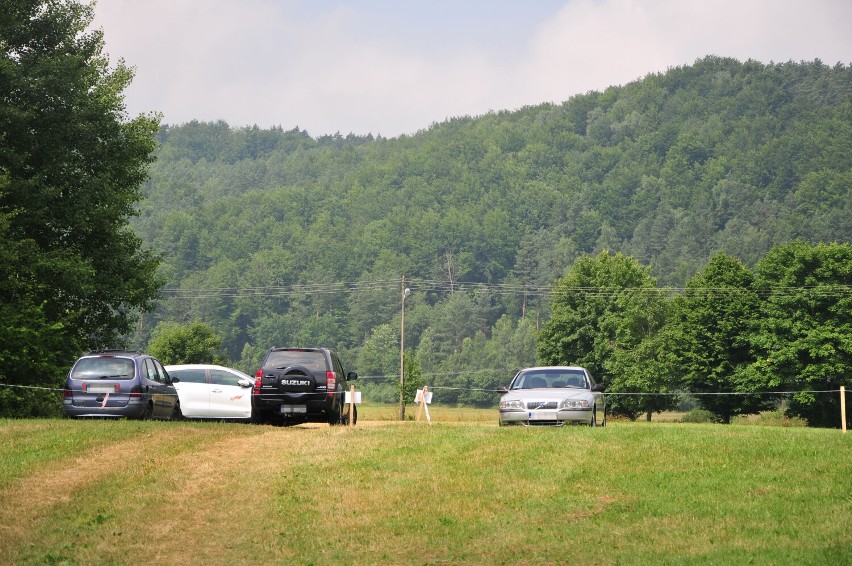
(349, 397)
(418, 398)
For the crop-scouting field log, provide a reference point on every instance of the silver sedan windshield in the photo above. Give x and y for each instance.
(551, 379)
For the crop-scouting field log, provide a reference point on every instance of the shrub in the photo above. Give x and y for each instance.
(699, 416)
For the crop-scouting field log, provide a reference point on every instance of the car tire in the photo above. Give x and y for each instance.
(335, 418)
(147, 413)
(177, 414)
(594, 421)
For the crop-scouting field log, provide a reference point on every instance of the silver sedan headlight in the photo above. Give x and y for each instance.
(512, 404)
(574, 404)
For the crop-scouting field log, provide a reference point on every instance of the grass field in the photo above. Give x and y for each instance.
(460, 491)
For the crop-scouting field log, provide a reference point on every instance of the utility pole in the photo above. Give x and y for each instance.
(405, 293)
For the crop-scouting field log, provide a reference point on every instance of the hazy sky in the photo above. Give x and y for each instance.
(394, 67)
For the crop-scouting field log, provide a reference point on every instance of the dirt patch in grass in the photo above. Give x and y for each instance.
(220, 502)
(27, 501)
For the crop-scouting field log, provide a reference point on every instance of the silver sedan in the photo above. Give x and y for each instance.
(553, 395)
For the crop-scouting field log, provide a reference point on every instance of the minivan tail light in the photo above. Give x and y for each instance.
(330, 382)
(67, 392)
(136, 391)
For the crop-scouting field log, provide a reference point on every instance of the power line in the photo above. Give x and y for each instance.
(437, 286)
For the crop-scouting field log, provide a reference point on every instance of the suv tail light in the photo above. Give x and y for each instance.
(136, 391)
(330, 382)
(67, 392)
(258, 381)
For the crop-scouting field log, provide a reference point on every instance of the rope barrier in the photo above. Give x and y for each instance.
(437, 387)
(322, 394)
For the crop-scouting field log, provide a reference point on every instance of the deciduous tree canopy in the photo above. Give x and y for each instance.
(71, 167)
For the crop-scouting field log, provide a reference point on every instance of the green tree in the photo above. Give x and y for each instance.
(193, 343)
(644, 368)
(601, 305)
(804, 331)
(72, 166)
(462, 372)
(458, 316)
(379, 356)
(709, 337)
(472, 375)
(512, 345)
(413, 378)
(30, 345)
(378, 364)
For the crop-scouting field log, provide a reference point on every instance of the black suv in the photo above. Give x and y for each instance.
(120, 383)
(299, 385)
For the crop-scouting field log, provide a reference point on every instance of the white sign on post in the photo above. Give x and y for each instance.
(357, 400)
(423, 397)
(418, 398)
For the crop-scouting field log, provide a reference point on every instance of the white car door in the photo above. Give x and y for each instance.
(228, 397)
(193, 392)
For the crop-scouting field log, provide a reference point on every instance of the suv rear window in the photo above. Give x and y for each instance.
(312, 360)
(103, 368)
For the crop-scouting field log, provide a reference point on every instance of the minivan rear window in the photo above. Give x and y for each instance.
(312, 360)
(103, 368)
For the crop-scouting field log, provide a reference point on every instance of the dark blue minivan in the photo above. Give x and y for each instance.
(120, 383)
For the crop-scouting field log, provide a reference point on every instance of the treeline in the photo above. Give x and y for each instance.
(739, 340)
(733, 340)
(273, 237)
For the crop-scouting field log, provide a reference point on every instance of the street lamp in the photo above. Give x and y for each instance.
(405, 292)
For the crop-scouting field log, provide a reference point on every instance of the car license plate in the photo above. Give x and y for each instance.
(294, 409)
(100, 388)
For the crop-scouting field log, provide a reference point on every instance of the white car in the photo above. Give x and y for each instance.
(212, 392)
(553, 395)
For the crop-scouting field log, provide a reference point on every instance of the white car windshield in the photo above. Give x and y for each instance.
(551, 379)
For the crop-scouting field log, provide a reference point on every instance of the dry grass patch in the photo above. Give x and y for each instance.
(397, 493)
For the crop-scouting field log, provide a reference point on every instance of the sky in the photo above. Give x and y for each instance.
(393, 67)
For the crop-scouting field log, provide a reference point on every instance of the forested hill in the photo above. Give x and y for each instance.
(717, 156)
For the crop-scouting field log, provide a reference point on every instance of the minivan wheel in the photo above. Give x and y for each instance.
(147, 413)
(177, 414)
